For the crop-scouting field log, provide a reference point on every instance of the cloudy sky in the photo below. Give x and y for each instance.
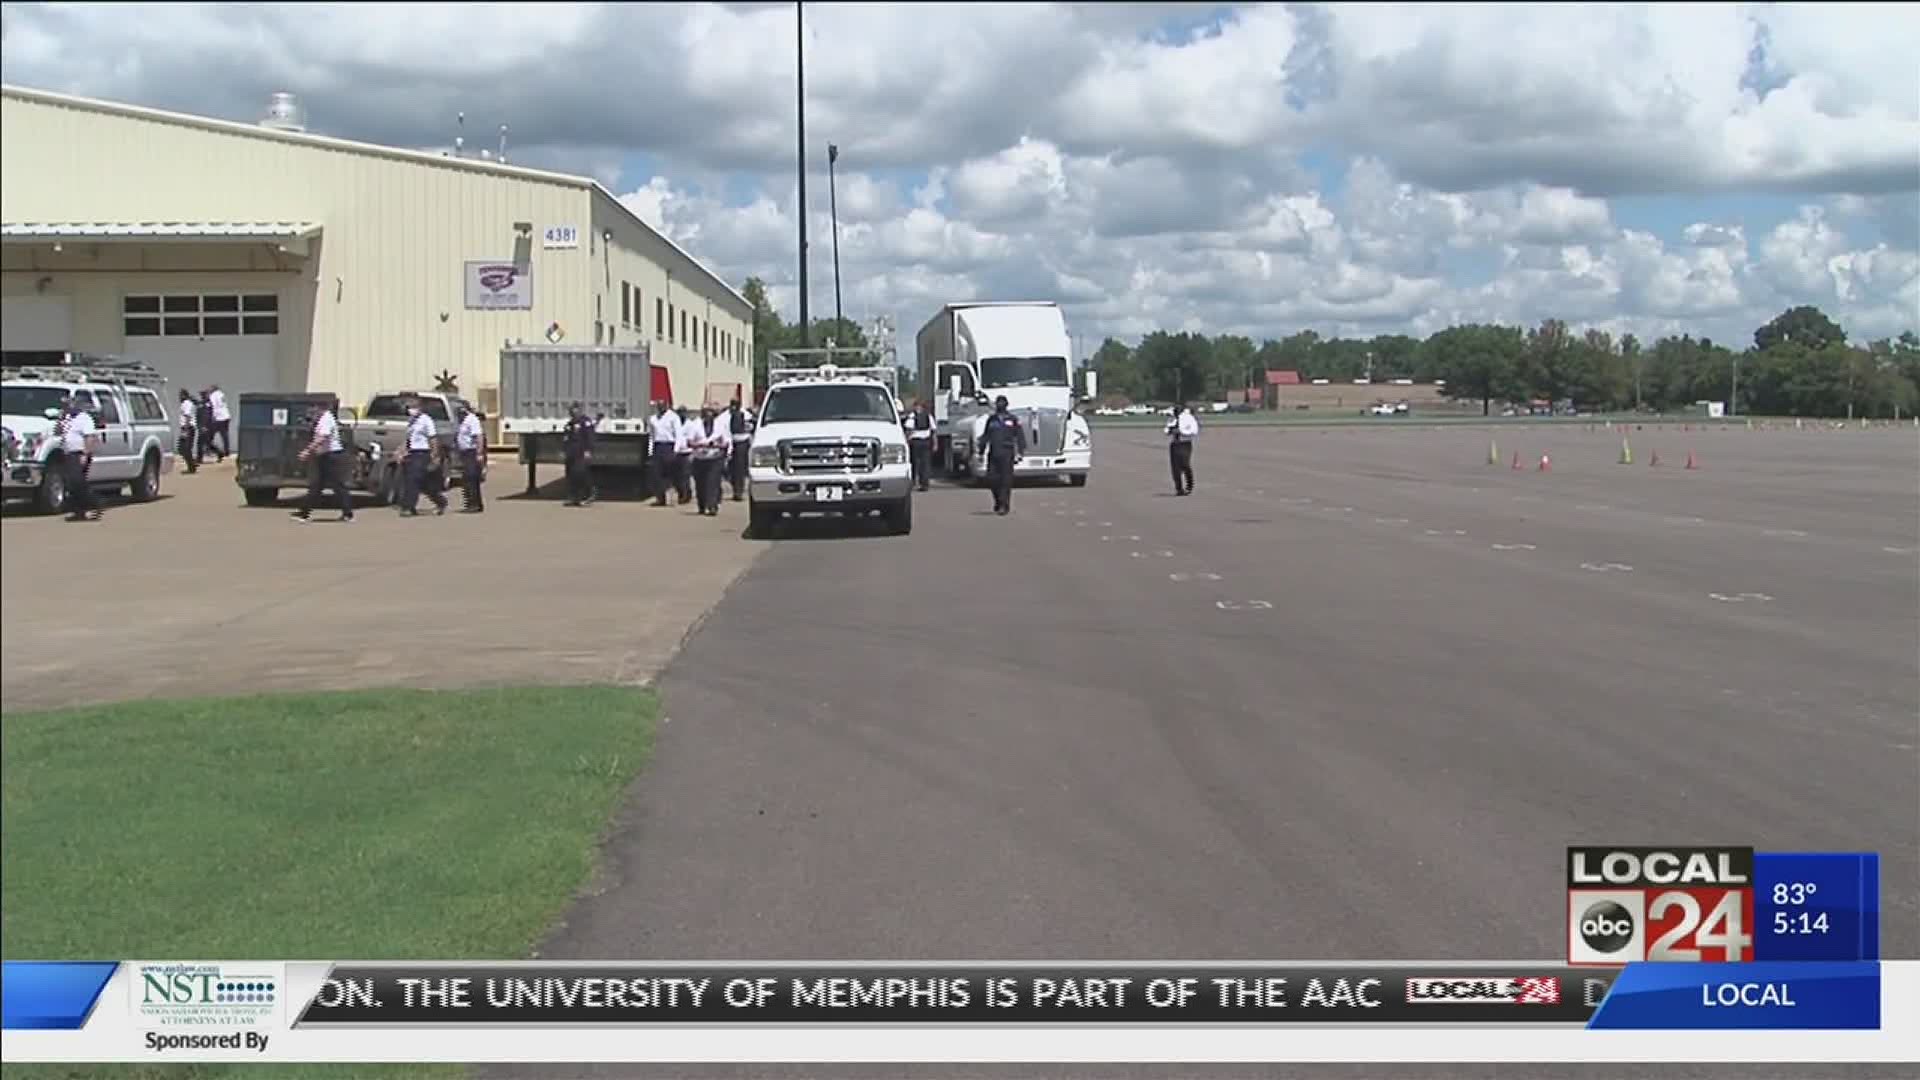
(1253, 169)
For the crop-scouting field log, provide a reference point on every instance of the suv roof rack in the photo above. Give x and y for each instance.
(81, 367)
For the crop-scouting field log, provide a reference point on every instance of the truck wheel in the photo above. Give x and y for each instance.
(52, 494)
(1079, 479)
(388, 489)
(760, 522)
(900, 517)
(147, 487)
(261, 496)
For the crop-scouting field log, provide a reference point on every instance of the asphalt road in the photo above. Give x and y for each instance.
(1351, 700)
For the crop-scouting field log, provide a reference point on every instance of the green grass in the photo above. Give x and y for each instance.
(393, 824)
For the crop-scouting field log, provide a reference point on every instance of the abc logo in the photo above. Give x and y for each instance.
(1606, 927)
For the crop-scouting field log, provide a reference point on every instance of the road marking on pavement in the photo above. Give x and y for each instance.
(1201, 575)
(1079, 524)
(1898, 550)
(1106, 524)
(1740, 597)
(1782, 532)
(1166, 554)
(1514, 547)
(1685, 520)
(1591, 506)
(1389, 521)
(1526, 498)
(1104, 539)
(1137, 554)
(1242, 605)
(1604, 567)
(1135, 539)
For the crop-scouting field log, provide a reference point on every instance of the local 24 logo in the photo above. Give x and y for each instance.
(1686, 904)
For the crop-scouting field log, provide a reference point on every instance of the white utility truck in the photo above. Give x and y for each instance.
(136, 440)
(829, 441)
(971, 353)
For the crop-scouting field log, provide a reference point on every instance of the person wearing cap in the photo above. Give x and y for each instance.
(739, 428)
(708, 443)
(78, 435)
(664, 430)
(576, 443)
(1180, 434)
(329, 464)
(1004, 443)
(419, 463)
(919, 425)
(471, 442)
(683, 458)
(188, 444)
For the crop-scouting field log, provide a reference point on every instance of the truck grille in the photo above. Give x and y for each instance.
(829, 455)
(1046, 430)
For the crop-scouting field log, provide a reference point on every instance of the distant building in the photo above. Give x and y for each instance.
(266, 257)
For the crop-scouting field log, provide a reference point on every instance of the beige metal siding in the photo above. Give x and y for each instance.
(666, 277)
(381, 300)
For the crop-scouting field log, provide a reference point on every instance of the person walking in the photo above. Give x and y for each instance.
(740, 433)
(1181, 431)
(664, 429)
(419, 464)
(329, 464)
(78, 435)
(1004, 443)
(222, 419)
(708, 442)
(683, 458)
(203, 424)
(576, 442)
(919, 425)
(187, 445)
(471, 442)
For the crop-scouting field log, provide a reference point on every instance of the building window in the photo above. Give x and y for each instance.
(684, 339)
(671, 335)
(659, 316)
(626, 304)
(639, 313)
(195, 315)
(141, 316)
(260, 314)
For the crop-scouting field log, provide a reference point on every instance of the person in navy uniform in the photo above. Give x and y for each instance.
(1004, 442)
(919, 425)
(420, 475)
(78, 435)
(328, 455)
(665, 428)
(740, 429)
(1181, 431)
(471, 440)
(576, 446)
(188, 445)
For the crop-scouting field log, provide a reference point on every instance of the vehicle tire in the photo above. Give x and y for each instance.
(1078, 479)
(261, 496)
(51, 496)
(760, 522)
(900, 517)
(387, 491)
(146, 487)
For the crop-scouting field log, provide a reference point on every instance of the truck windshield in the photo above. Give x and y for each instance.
(30, 400)
(1024, 371)
(799, 404)
(393, 407)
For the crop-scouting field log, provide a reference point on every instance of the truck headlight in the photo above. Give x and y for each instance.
(764, 457)
(893, 454)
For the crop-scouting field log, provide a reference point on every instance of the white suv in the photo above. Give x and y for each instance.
(135, 441)
(829, 441)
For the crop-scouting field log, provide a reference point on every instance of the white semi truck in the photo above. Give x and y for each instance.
(971, 353)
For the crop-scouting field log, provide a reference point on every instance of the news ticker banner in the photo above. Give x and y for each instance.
(1724, 904)
(538, 1011)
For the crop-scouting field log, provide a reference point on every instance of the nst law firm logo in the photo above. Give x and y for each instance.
(206, 995)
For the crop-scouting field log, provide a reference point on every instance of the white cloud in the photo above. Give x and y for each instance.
(1349, 168)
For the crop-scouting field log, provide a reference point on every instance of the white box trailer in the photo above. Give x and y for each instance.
(613, 384)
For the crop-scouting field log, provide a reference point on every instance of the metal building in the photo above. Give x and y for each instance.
(265, 257)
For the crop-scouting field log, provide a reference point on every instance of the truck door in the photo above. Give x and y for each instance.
(114, 459)
(941, 391)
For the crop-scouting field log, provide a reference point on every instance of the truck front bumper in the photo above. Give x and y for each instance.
(830, 493)
(22, 477)
(1070, 463)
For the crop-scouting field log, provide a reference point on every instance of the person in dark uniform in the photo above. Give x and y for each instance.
(471, 441)
(683, 458)
(709, 441)
(919, 425)
(665, 429)
(1004, 442)
(576, 443)
(188, 445)
(78, 435)
(1180, 434)
(740, 429)
(203, 414)
(424, 451)
(329, 455)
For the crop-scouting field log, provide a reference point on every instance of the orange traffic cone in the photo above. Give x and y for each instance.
(1655, 460)
(1516, 459)
(1691, 464)
(1545, 464)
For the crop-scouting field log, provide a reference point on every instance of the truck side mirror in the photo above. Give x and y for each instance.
(50, 413)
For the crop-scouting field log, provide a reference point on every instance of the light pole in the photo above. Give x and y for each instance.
(800, 109)
(833, 209)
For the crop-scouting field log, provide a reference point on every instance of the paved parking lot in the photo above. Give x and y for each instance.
(196, 594)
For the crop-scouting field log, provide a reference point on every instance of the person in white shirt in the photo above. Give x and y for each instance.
(329, 468)
(471, 441)
(222, 419)
(683, 459)
(664, 427)
(188, 444)
(1180, 435)
(708, 442)
(739, 428)
(919, 425)
(420, 446)
(78, 434)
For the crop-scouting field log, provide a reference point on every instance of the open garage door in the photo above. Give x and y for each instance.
(36, 324)
(214, 339)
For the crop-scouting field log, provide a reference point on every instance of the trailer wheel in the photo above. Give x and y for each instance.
(260, 496)
(1079, 479)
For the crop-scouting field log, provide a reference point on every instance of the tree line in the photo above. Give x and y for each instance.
(1799, 364)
